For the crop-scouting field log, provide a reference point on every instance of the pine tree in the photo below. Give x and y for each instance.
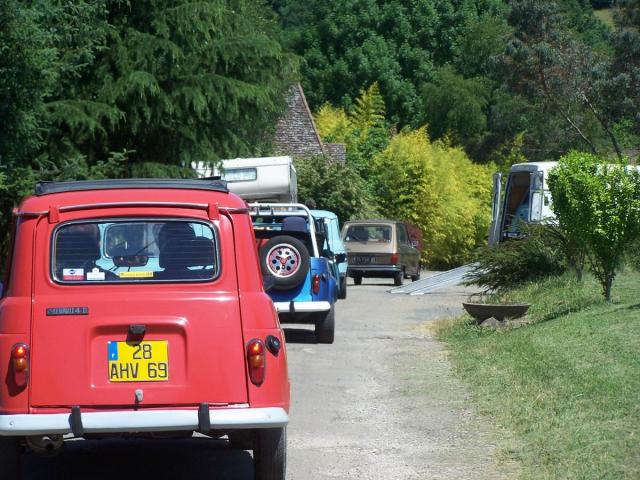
(195, 81)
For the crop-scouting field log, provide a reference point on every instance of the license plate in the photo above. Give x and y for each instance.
(363, 260)
(138, 362)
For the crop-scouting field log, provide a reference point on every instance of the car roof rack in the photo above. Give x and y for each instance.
(47, 188)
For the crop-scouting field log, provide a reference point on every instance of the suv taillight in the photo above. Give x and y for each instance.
(394, 258)
(20, 363)
(256, 360)
(315, 284)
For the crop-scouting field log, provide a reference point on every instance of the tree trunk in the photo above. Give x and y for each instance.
(607, 288)
(605, 125)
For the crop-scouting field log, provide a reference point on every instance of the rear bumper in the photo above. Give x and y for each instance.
(373, 270)
(143, 421)
(302, 307)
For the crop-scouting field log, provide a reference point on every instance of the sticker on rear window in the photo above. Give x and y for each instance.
(95, 274)
(135, 274)
(73, 274)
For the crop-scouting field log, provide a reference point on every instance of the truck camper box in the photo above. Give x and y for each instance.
(266, 179)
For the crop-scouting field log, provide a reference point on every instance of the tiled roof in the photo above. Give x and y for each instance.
(296, 133)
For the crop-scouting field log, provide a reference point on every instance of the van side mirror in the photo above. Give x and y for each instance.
(268, 282)
(414, 243)
(341, 257)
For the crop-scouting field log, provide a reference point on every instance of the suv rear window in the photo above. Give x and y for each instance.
(134, 251)
(368, 233)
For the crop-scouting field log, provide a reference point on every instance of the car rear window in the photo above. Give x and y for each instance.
(134, 251)
(368, 233)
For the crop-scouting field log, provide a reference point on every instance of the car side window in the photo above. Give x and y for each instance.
(403, 238)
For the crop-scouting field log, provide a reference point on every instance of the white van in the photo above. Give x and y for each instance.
(526, 199)
(265, 180)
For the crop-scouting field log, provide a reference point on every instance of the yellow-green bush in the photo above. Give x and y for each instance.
(437, 188)
(333, 124)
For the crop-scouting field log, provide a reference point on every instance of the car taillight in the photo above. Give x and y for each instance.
(315, 284)
(20, 361)
(394, 258)
(256, 360)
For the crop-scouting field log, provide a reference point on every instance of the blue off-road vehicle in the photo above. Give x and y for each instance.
(304, 286)
(333, 247)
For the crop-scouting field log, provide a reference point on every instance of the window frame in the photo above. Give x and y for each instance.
(56, 231)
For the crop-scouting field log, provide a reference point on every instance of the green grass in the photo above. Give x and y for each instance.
(567, 385)
(606, 16)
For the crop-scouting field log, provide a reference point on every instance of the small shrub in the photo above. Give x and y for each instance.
(598, 207)
(538, 254)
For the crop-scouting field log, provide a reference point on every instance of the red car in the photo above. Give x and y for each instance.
(137, 307)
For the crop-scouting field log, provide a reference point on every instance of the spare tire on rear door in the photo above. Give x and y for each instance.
(285, 258)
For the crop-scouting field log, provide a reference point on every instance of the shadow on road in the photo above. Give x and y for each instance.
(299, 335)
(125, 459)
(364, 284)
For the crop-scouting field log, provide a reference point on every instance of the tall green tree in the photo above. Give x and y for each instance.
(26, 77)
(625, 70)
(555, 61)
(458, 107)
(193, 80)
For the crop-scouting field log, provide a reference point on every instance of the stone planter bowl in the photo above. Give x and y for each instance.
(482, 311)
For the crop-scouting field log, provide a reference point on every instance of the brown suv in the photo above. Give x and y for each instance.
(380, 248)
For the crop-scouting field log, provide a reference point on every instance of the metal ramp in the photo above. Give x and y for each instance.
(435, 282)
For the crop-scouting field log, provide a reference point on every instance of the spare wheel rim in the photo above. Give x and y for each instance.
(283, 260)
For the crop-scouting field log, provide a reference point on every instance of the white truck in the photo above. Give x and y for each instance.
(265, 179)
(526, 199)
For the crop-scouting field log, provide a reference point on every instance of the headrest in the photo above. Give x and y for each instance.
(76, 248)
(197, 252)
(175, 232)
(359, 233)
(294, 224)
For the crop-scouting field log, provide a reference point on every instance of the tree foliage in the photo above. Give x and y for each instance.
(166, 82)
(480, 73)
(598, 207)
(625, 70)
(334, 187)
(549, 63)
(347, 45)
(457, 107)
(363, 128)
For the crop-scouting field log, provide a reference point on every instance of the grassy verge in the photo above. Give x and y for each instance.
(568, 385)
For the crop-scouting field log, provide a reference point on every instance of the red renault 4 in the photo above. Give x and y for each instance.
(137, 307)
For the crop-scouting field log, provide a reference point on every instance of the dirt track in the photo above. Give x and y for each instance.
(380, 403)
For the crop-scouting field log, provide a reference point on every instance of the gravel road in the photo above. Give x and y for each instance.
(377, 404)
(380, 402)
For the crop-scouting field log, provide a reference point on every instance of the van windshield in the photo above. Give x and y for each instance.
(134, 251)
(368, 234)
